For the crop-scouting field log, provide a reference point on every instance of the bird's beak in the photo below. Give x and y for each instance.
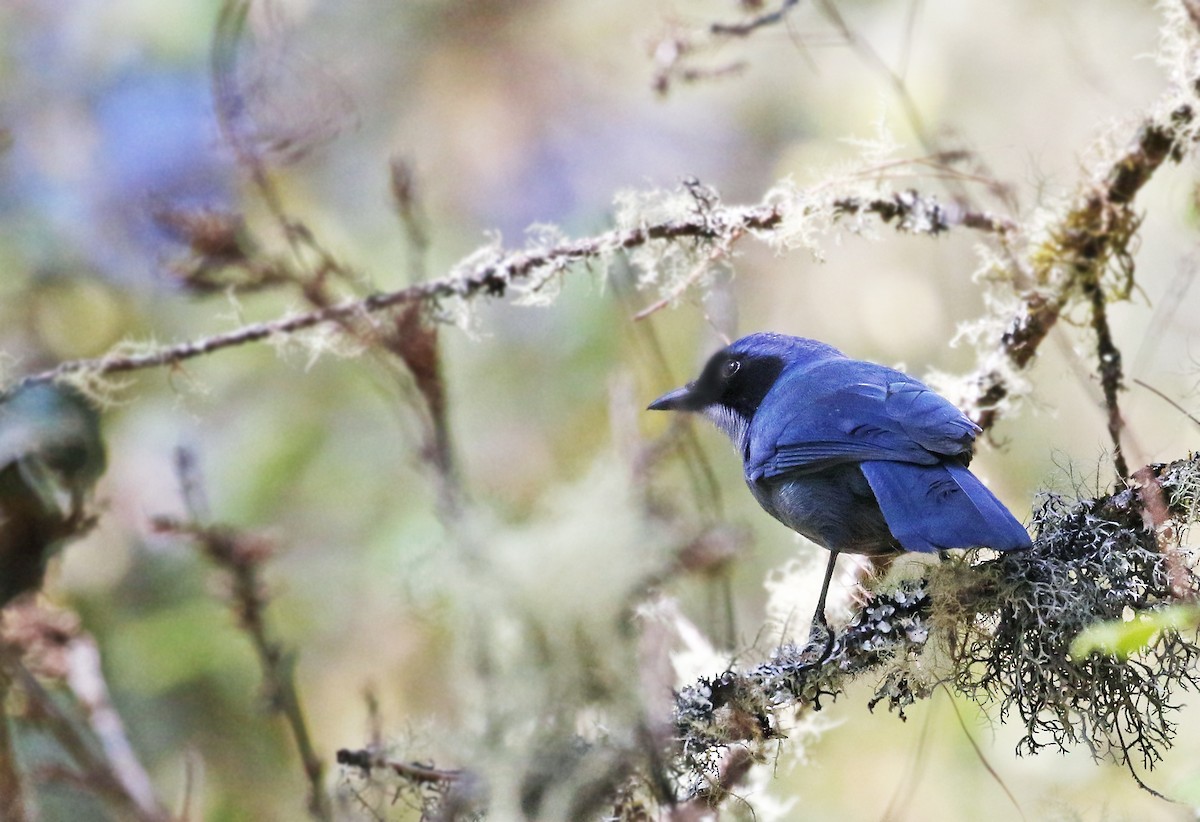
(677, 400)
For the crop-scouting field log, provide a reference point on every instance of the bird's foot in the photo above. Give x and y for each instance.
(820, 628)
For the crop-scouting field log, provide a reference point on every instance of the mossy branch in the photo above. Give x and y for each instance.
(713, 223)
(999, 631)
(1090, 239)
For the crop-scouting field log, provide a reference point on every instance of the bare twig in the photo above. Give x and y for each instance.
(871, 57)
(229, 107)
(987, 766)
(1165, 398)
(719, 252)
(366, 759)
(242, 557)
(747, 27)
(412, 216)
(1108, 357)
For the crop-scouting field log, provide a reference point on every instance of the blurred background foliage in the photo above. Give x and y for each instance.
(514, 113)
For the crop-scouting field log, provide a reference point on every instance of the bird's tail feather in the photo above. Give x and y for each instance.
(932, 507)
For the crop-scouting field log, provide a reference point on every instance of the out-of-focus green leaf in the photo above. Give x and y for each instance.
(1124, 638)
(181, 645)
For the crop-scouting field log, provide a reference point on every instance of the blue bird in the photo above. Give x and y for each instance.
(859, 458)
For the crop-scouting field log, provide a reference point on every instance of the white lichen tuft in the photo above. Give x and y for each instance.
(547, 648)
(882, 147)
(679, 266)
(1179, 46)
(543, 284)
(104, 390)
(805, 222)
(313, 344)
(692, 655)
(792, 590)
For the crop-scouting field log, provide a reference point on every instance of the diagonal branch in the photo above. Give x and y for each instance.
(1094, 234)
(491, 278)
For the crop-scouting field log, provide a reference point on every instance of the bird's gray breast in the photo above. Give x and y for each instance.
(834, 507)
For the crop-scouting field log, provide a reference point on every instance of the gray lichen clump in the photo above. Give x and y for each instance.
(999, 631)
(1092, 561)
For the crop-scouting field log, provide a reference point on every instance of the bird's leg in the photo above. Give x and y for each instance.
(819, 620)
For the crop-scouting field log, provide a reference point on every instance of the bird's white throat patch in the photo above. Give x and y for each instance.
(735, 426)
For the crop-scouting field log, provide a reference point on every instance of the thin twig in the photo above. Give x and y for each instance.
(962, 723)
(1108, 358)
(1168, 400)
(694, 276)
(411, 214)
(910, 27)
(242, 557)
(366, 759)
(229, 108)
(868, 54)
(748, 27)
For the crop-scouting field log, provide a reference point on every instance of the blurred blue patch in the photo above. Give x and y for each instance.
(137, 142)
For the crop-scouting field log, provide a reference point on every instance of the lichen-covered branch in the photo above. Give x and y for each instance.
(1090, 239)
(915, 213)
(998, 630)
(493, 277)
(1005, 626)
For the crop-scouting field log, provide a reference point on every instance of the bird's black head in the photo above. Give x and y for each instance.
(737, 378)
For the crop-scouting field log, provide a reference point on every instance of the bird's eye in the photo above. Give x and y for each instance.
(730, 368)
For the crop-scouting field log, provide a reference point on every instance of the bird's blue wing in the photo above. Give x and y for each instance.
(932, 507)
(849, 411)
(930, 420)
